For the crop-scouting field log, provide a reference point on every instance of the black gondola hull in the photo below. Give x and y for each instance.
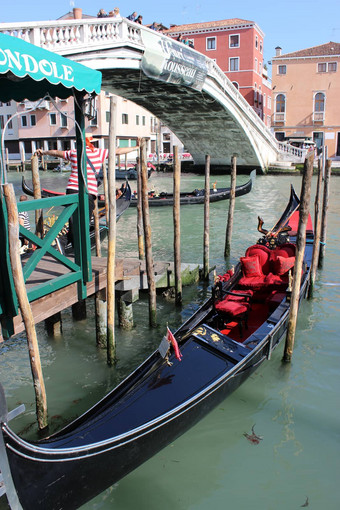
(166, 199)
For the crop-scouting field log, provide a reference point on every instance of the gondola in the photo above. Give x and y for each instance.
(197, 196)
(122, 202)
(217, 349)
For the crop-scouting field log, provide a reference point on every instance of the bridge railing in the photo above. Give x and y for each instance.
(292, 153)
(230, 89)
(62, 35)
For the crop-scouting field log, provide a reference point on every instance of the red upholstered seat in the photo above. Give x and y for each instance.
(235, 305)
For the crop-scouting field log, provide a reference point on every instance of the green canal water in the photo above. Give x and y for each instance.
(295, 408)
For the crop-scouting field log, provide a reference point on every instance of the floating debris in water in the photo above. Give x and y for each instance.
(253, 438)
(306, 503)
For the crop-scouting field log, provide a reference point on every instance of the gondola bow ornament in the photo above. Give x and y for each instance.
(172, 340)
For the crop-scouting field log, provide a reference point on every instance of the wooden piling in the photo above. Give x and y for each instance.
(177, 226)
(101, 318)
(53, 325)
(140, 233)
(206, 235)
(26, 312)
(111, 250)
(299, 256)
(96, 229)
(317, 227)
(323, 234)
(106, 194)
(79, 310)
(39, 220)
(147, 237)
(229, 231)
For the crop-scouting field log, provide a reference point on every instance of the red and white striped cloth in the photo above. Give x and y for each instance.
(97, 158)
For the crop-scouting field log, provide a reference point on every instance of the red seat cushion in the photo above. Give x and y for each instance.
(263, 253)
(251, 266)
(285, 250)
(254, 282)
(232, 308)
(283, 264)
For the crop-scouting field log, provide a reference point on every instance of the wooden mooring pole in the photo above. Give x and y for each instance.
(39, 220)
(323, 234)
(147, 238)
(229, 231)
(317, 227)
(100, 303)
(177, 226)
(111, 249)
(206, 234)
(26, 312)
(140, 234)
(300, 250)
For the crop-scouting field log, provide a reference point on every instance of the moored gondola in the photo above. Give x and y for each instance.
(220, 345)
(197, 196)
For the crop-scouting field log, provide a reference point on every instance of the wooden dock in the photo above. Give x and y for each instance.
(130, 276)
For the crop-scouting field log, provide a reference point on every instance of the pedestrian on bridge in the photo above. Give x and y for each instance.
(132, 16)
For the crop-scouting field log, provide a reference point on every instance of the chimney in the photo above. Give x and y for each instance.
(278, 51)
(77, 13)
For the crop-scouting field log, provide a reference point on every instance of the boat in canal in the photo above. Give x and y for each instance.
(192, 371)
(122, 202)
(197, 196)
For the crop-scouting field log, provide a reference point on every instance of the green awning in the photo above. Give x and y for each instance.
(30, 72)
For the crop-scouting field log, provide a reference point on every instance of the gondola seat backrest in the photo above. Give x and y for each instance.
(263, 268)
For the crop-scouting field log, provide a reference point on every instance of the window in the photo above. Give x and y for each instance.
(10, 123)
(2, 122)
(280, 103)
(125, 118)
(137, 120)
(23, 121)
(33, 120)
(143, 120)
(107, 116)
(211, 43)
(280, 136)
(255, 65)
(256, 41)
(282, 69)
(264, 100)
(280, 108)
(330, 67)
(319, 107)
(255, 92)
(63, 120)
(234, 64)
(53, 119)
(94, 121)
(261, 47)
(234, 41)
(236, 85)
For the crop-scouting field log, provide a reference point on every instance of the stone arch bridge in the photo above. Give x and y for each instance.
(186, 90)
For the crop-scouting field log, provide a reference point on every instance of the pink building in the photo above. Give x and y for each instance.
(236, 45)
(306, 92)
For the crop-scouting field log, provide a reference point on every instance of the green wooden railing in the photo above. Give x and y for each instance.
(77, 271)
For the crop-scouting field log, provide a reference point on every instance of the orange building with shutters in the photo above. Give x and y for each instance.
(306, 92)
(236, 45)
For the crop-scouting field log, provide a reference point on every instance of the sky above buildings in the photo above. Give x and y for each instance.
(292, 24)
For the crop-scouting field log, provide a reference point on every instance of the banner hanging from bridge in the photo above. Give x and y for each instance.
(173, 62)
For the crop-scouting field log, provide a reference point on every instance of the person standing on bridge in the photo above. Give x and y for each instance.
(132, 16)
